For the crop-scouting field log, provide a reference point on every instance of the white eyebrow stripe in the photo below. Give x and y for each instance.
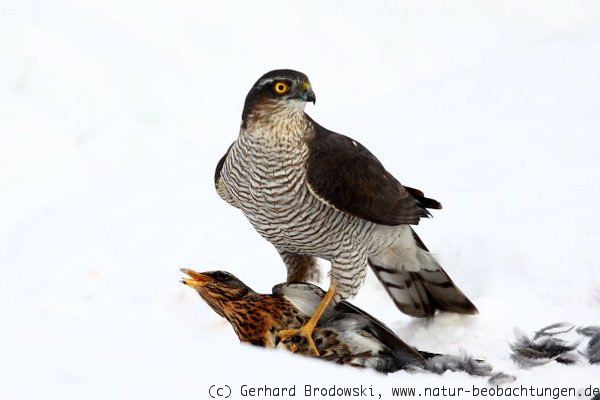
(271, 80)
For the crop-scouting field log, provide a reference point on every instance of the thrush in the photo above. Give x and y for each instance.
(345, 334)
(312, 193)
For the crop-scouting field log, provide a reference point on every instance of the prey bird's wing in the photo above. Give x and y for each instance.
(306, 297)
(344, 174)
(403, 353)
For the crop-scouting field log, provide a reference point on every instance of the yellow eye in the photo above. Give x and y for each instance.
(281, 88)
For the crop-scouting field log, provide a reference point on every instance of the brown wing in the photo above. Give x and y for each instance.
(344, 173)
(219, 185)
(220, 165)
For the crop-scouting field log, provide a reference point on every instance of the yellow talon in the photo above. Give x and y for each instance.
(308, 329)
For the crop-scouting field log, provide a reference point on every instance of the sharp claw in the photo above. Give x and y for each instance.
(288, 333)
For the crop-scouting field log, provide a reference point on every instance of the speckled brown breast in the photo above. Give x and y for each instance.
(257, 318)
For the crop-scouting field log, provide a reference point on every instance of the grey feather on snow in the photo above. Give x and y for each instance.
(544, 347)
(593, 348)
(593, 351)
(441, 363)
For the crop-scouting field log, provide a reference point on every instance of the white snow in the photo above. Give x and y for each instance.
(113, 115)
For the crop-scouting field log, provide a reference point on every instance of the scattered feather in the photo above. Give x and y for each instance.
(554, 329)
(464, 362)
(588, 331)
(501, 378)
(593, 350)
(544, 347)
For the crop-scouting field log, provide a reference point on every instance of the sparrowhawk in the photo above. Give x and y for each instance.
(312, 192)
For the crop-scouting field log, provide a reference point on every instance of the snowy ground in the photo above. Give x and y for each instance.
(113, 115)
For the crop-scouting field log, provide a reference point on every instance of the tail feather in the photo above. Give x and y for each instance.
(424, 201)
(422, 291)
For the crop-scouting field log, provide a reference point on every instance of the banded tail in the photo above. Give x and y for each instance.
(416, 282)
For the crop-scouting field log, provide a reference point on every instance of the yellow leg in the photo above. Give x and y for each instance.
(309, 327)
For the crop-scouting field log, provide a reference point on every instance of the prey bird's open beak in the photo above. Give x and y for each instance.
(195, 279)
(307, 93)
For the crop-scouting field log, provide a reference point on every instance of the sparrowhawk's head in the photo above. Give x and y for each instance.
(218, 288)
(279, 90)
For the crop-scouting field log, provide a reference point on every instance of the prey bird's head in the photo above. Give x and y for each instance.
(281, 90)
(219, 289)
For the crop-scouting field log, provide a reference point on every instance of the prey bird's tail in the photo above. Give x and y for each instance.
(416, 282)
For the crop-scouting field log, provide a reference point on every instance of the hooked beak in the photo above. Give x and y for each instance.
(196, 279)
(307, 93)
